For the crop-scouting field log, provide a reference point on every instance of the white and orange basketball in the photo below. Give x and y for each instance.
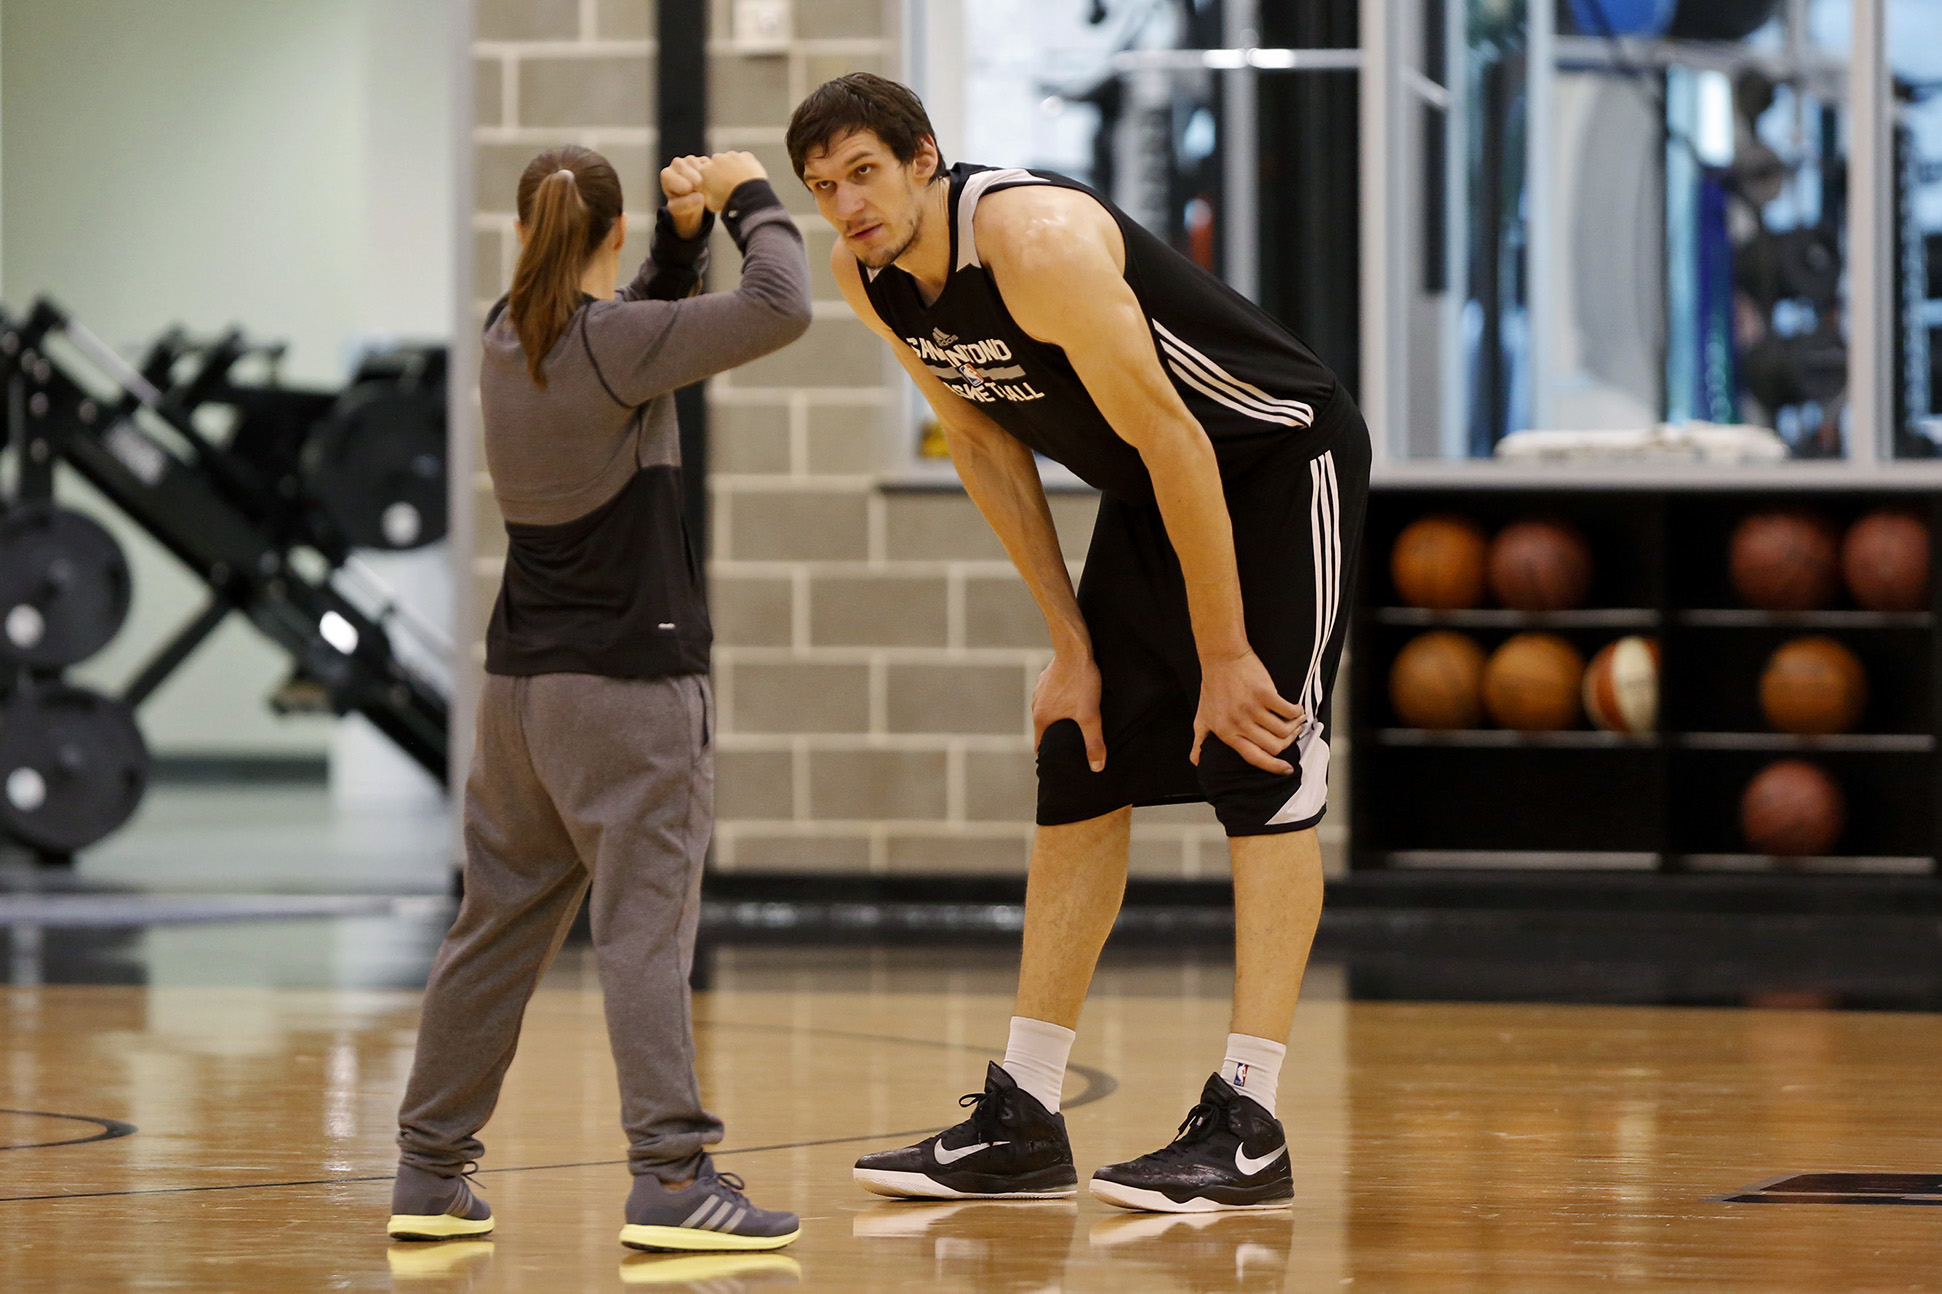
(1622, 685)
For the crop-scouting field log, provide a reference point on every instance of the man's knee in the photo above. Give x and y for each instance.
(1085, 845)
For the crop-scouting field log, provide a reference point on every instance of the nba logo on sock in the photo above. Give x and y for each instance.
(1240, 1074)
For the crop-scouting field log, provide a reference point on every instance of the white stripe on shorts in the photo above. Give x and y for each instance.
(1325, 538)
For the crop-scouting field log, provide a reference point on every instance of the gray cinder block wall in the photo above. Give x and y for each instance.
(875, 651)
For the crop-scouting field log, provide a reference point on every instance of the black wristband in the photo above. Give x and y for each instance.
(670, 248)
(748, 198)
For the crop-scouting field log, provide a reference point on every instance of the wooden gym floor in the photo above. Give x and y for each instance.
(1437, 1147)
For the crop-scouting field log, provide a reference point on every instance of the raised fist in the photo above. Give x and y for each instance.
(721, 173)
(681, 182)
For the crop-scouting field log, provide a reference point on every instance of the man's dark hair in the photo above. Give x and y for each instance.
(861, 101)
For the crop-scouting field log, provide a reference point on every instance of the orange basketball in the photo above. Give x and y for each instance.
(1438, 563)
(1540, 565)
(1531, 683)
(1813, 686)
(1622, 685)
(1885, 559)
(1437, 681)
(1785, 561)
(1792, 808)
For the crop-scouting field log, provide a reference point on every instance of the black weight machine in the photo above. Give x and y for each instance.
(268, 517)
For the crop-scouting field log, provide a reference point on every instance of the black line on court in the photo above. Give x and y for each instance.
(1918, 1189)
(1099, 1086)
(110, 1129)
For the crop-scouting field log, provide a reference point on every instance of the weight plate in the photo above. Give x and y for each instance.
(73, 767)
(376, 466)
(64, 586)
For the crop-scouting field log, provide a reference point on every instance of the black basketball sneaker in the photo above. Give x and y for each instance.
(1011, 1148)
(1230, 1154)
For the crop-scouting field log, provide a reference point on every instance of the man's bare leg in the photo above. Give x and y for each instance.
(1277, 904)
(1013, 1148)
(1233, 1152)
(1072, 895)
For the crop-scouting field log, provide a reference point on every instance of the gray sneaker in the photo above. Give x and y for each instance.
(425, 1206)
(712, 1214)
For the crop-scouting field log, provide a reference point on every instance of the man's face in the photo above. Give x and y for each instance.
(874, 201)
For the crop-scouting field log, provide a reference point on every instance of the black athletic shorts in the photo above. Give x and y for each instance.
(1297, 531)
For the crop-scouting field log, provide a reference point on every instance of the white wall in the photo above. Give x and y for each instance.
(285, 167)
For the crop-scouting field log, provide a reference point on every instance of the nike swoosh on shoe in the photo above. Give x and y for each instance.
(944, 1156)
(1248, 1166)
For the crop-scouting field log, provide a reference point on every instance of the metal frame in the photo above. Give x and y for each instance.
(1382, 224)
(1871, 328)
(462, 430)
(1241, 199)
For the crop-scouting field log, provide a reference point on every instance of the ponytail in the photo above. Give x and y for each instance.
(569, 199)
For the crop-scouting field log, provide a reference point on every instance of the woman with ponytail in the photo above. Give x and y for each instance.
(594, 764)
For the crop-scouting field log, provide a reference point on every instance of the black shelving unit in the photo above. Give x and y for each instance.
(1585, 800)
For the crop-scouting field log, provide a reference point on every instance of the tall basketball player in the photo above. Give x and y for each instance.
(1195, 660)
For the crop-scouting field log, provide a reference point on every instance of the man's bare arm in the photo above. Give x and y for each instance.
(1059, 262)
(1001, 476)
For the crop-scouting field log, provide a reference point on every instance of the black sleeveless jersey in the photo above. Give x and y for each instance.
(1251, 384)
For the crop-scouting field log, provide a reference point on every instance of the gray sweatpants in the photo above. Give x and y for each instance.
(577, 781)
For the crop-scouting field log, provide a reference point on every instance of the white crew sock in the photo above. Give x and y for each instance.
(1035, 1058)
(1252, 1067)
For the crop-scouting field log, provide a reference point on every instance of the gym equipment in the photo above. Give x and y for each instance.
(64, 587)
(1437, 681)
(72, 767)
(1619, 17)
(1532, 683)
(377, 465)
(1721, 19)
(1540, 566)
(360, 468)
(1792, 265)
(1806, 368)
(1785, 560)
(1813, 686)
(1759, 175)
(268, 520)
(1621, 689)
(1885, 561)
(1792, 808)
(1438, 562)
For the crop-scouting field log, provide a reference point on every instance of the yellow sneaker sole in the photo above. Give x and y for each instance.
(696, 1240)
(685, 1269)
(438, 1262)
(435, 1226)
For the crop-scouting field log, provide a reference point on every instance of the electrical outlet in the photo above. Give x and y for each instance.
(763, 26)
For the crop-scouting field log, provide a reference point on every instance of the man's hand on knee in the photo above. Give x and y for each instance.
(1240, 705)
(1068, 688)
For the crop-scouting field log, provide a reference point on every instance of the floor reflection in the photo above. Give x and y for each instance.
(1200, 1253)
(972, 1245)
